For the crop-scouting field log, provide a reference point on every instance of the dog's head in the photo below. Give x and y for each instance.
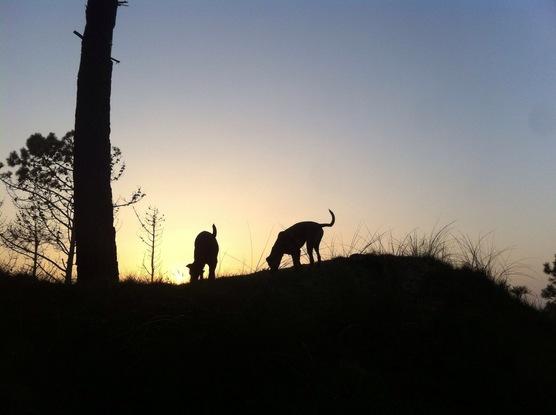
(274, 261)
(276, 253)
(195, 271)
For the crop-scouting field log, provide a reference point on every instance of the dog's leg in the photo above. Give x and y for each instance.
(212, 268)
(317, 251)
(318, 239)
(296, 259)
(310, 248)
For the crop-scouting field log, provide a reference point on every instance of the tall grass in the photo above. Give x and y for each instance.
(481, 255)
(435, 244)
(442, 243)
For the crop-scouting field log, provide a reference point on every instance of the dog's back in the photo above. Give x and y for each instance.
(206, 247)
(296, 235)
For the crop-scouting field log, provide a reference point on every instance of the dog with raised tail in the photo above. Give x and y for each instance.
(292, 239)
(206, 253)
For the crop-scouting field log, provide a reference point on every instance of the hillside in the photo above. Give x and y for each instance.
(390, 334)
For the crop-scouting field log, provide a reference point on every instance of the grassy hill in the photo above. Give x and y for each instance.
(385, 333)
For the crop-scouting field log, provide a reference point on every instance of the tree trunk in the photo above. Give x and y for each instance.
(94, 228)
(36, 243)
(153, 248)
(69, 264)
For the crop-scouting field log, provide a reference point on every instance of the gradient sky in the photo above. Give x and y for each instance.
(256, 114)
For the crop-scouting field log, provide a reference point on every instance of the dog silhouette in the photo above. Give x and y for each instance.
(292, 239)
(206, 253)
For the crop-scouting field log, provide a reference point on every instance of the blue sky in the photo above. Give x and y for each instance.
(256, 114)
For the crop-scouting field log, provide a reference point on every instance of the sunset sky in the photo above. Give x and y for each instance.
(253, 115)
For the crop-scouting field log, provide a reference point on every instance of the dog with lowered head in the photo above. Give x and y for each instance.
(206, 253)
(292, 239)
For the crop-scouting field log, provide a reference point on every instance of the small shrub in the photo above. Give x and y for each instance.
(520, 291)
(549, 292)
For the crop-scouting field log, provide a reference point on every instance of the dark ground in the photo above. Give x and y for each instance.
(382, 333)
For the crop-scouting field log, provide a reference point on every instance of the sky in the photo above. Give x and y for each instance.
(253, 115)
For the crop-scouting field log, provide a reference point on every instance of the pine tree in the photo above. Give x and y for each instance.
(94, 227)
(40, 177)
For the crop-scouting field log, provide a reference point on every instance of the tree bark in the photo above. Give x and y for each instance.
(69, 264)
(35, 254)
(153, 246)
(94, 227)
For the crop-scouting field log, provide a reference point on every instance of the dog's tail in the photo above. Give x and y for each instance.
(331, 223)
(213, 230)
